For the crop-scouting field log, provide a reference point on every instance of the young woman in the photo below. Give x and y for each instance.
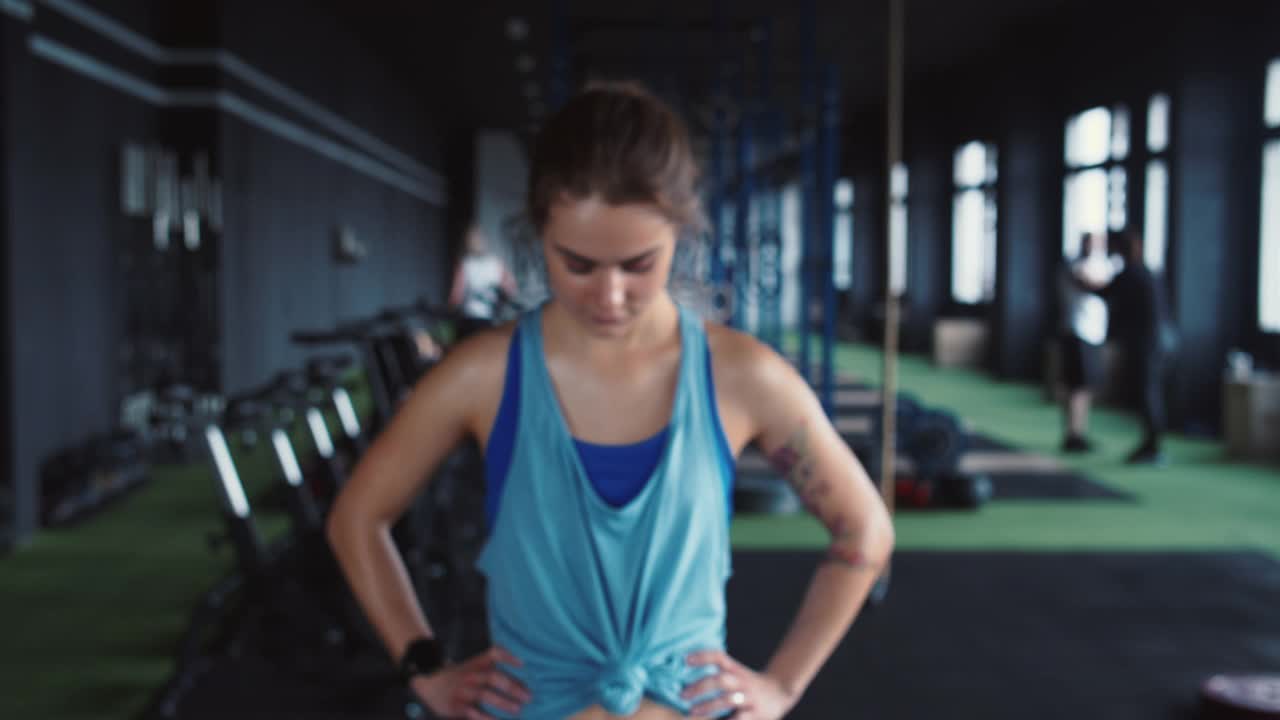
(610, 418)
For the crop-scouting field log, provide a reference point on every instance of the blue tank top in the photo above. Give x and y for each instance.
(618, 472)
(602, 603)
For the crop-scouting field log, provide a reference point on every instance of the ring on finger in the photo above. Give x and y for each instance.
(738, 698)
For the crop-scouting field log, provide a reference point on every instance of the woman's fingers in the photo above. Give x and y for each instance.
(718, 658)
(508, 685)
(736, 700)
(495, 699)
(720, 681)
(503, 656)
(475, 713)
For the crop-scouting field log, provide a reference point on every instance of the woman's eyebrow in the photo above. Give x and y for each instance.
(586, 260)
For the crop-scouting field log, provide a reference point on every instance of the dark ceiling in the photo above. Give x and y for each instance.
(466, 50)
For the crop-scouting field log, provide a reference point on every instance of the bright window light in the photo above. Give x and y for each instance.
(1089, 138)
(1158, 123)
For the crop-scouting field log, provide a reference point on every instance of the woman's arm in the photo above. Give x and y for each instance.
(458, 286)
(433, 420)
(835, 488)
(1091, 275)
(780, 414)
(509, 283)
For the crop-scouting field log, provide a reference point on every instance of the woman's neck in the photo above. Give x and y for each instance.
(655, 327)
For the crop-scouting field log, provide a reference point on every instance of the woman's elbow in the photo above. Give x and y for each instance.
(336, 525)
(345, 523)
(887, 539)
(356, 516)
(879, 537)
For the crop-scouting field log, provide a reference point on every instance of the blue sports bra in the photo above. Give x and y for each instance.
(618, 472)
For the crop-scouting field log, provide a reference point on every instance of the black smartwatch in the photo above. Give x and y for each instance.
(423, 657)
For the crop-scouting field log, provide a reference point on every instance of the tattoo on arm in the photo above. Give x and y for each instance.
(847, 557)
(794, 462)
(843, 552)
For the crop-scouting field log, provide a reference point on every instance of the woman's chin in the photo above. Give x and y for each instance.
(610, 327)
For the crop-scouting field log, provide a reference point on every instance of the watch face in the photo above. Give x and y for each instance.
(422, 657)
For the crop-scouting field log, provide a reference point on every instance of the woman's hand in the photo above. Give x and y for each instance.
(457, 691)
(754, 696)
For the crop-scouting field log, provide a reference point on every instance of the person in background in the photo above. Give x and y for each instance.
(1083, 332)
(480, 279)
(1140, 323)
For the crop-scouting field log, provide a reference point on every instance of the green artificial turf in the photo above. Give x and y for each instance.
(1200, 500)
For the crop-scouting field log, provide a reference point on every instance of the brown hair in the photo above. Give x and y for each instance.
(620, 142)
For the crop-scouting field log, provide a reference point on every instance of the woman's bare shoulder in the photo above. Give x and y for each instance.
(480, 359)
(742, 363)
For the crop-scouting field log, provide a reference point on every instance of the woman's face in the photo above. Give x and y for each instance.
(476, 240)
(607, 263)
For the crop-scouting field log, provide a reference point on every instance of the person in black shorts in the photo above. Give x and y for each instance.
(1083, 332)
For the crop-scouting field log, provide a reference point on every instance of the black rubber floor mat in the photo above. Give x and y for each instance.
(253, 688)
(1025, 635)
(986, 443)
(1065, 485)
(960, 635)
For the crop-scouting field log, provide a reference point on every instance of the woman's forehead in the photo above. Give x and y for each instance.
(593, 228)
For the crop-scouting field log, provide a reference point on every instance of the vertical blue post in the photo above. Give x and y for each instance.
(771, 277)
(720, 120)
(742, 209)
(716, 193)
(808, 163)
(558, 82)
(829, 143)
(768, 280)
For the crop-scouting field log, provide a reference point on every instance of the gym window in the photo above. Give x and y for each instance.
(973, 224)
(1269, 250)
(898, 229)
(1095, 189)
(1155, 235)
(842, 252)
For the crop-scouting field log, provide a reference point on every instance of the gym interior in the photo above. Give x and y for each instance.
(230, 230)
